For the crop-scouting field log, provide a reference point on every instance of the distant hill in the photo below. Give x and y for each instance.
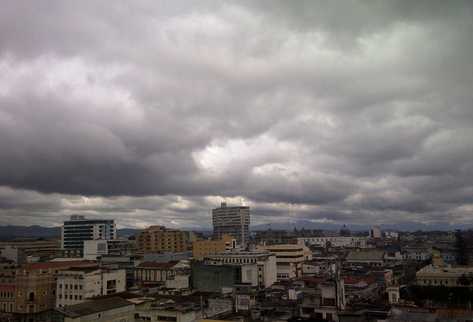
(15, 232)
(127, 232)
(18, 232)
(404, 226)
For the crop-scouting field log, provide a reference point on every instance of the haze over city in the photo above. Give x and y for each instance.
(155, 112)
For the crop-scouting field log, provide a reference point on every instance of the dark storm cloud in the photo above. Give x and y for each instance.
(343, 111)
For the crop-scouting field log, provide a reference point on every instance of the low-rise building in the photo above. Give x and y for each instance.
(149, 274)
(95, 249)
(215, 278)
(128, 263)
(21, 249)
(446, 276)
(335, 241)
(75, 285)
(373, 258)
(393, 254)
(7, 289)
(167, 257)
(324, 301)
(110, 309)
(169, 310)
(35, 288)
(289, 259)
(419, 254)
(257, 268)
(362, 288)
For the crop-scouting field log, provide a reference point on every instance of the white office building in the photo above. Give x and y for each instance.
(78, 229)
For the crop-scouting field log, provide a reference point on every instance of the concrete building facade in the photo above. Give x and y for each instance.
(233, 221)
(289, 259)
(95, 249)
(75, 285)
(257, 268)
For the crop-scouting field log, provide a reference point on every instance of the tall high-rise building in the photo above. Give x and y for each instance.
(234, 221)
(78, 229)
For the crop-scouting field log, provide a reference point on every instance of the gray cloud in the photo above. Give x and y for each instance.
(340, 111)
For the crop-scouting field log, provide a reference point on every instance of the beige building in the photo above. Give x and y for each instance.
(447, 276)
(75, 285)
(109, 309)
(203, 248)
(154, 273)
(159, 239)
(289, 259)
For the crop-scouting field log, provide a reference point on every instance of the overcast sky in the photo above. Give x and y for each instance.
(153, 112)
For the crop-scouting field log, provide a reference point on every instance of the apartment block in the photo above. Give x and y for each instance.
(159, 239)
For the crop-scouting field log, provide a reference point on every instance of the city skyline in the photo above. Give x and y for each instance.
(150, 113)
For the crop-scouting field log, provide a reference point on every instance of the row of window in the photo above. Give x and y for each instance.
(75, 297)
(6, 307)
(71, 286)
(237, 260)
(441, 282)
(7, 294)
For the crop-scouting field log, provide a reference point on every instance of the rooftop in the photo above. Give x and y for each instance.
(94, 306)
(59, 265)
(165, 265)
(367, 255)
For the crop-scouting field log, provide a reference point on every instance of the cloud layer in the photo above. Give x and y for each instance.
(340, 111)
